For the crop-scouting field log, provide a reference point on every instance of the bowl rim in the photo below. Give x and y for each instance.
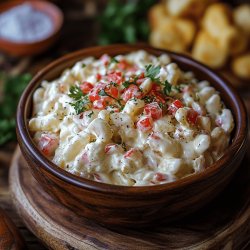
(38, 3)
(238, 143)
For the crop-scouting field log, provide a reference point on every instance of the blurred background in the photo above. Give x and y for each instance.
(216, 33)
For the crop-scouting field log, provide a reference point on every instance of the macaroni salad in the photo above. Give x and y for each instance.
(133, 119)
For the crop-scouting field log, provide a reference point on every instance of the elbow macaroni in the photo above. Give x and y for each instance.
(131, 134)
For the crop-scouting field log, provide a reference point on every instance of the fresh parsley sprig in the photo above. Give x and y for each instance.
(167, 88)
(80, 100)
(13, 87)
(75, 92)
(102, 92)
(118, 13)
(126, 84)
(148, 99)
(152, 72)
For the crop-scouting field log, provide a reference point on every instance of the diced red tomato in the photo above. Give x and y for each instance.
(101, 103)
(130, 152)
(110, 147)
(132, 91)
(153, 109)
(192, 116)
(48, 144)
(112, 90)
(98, 76)
(105, 59)
(145, 123)
(123, 64)
(115, 77)
(86, 87)
(94, 93)
(140, 79)
(175, 106)
(156, 87)
(159, 177)
(158, 96)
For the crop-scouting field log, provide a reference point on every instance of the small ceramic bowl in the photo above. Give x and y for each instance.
(33, 48)
(121, 206)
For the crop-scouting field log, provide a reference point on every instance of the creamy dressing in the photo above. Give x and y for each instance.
(139, 125)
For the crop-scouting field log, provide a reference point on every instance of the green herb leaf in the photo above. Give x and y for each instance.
(75, 92)
(125, 21)
(152, 72)
(79, 106)
(113, 60)
(126, 84)
(80, 100)
(167, 88)
(13, 87)
(90, 114)
(148, 99)
(113, 84)
(102, 92)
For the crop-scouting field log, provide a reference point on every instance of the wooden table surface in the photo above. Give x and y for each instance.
(79, 31)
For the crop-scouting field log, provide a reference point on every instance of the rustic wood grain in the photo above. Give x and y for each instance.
(224, 224)
(6, 204)
(10, 237)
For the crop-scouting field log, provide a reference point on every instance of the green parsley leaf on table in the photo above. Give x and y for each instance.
(13, 87)
(125, 21)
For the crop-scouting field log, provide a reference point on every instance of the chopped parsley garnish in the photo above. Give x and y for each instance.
(148, 99)
(83, 65)
(90, 114)
(113, 60)
(75, 92)
(152, 72)
(167, 88)
(177, 88)
(80, 100)
(102, 92)
(126, 84)
(113, 84)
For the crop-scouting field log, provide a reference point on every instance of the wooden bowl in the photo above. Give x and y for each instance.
(32, 48)
(121, 206)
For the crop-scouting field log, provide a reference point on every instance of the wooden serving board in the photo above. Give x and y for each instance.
(224, 224)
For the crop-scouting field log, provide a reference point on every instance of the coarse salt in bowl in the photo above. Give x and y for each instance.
(28, 28)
